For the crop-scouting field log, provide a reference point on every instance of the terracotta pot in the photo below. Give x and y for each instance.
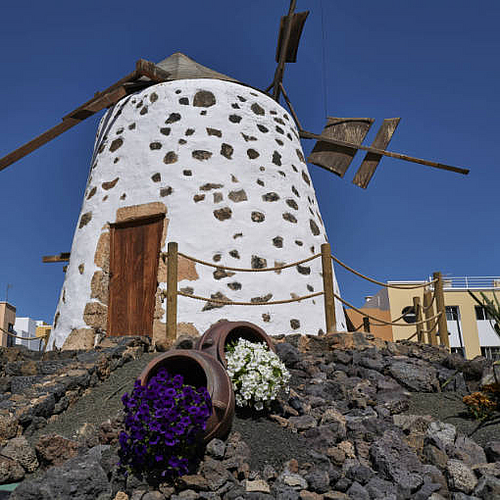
(214, 340)
(200, 369)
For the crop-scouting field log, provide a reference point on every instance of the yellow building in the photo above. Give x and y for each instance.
(470, 330)
(7, 321)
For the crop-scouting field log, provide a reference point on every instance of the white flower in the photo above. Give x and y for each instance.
(256, 372)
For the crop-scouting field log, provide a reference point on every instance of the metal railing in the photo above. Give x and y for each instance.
(468, 282)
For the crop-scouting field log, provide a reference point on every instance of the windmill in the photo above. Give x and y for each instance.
(188, 154)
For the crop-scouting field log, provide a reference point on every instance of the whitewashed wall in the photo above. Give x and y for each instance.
(227, 163)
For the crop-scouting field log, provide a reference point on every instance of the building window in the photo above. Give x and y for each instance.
(482, 314)
(10, 339)
(458, 350)
(452, 313)
(491, 352)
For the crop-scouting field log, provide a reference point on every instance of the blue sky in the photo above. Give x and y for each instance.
(434, 64)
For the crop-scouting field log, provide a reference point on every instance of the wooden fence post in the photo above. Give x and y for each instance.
(326, 262)
(429, 312)
(366, 324)
(418, 316)
(172, 292)
(440, 307)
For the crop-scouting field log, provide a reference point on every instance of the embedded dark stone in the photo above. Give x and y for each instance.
(170, 157)
(116, 144)
(81, 268)
(123, 196)
(266, 317)
(217, 197)
(131, 126)
(238, 196)
(165, 130)
(156, 177)
(314, 227)
(184, 101)
(270, 196)
(294, 324)
(214, 131)
(279, 142)
(299, 243)
(273, 112)
(174, 117)
(234, 285)
(235, 105)
(285, 116)
(248, 138)
(292, 204)
(258, 110)
(178, 91)
(264, 298)
(212, 305)
(263, 129)
(209, 186)
(182, 141)
(217, 257)
(155, 145)
(198, 197)
(252, 154)
(139, 104)
(188, 289)
(223, 213)
(310, 288)
(289, 137)
(258, 262)
(144, 110)
(92, 192)
(234, 179)
(260, 182)
(281, 173)
(189, 131)
(201, 155)
(278, 242)
(204, 99)
(234, 253)
(289, 217)
(105, 198)
(237, 235)
(306, 178)
(277, 158)
(116, 160)
(279, 120)
(203, 113)
(306, 270)
(222, 273)
(227, 151)
(187, 173)
(262, 169)
(85, 219)
(280, 130)
(234, 118)
(153, 97)
(258, 217)
(295, 192)
(166, 191)
(119, 131)
(294, 168)
(299, 153)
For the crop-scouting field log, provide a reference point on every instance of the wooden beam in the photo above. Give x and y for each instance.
(100, 101)
(304, 134)
(62, 257)
(297, 21)
(367, 168)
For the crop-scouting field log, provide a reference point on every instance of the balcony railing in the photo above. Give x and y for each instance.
(468, 282)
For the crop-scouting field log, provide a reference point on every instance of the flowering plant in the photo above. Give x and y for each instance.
(256, 372)
(164, 423)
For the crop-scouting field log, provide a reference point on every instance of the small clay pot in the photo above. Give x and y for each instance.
(200, 370)
(215, 339)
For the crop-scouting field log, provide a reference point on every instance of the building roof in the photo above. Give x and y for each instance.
(182, 67)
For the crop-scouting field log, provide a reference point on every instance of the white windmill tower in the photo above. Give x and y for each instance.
(190, 155)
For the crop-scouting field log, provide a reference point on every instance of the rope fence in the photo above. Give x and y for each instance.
(10, 334)
(172, 255)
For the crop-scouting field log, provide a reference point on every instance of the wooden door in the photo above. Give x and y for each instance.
(134, 253)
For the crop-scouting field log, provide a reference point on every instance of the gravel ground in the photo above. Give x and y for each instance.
(269, 442)
(449, 408)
